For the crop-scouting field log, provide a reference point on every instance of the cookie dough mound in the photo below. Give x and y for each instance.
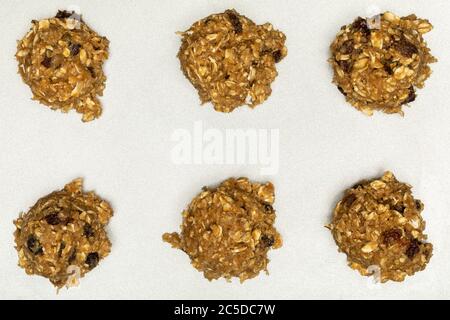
(230, 60)
(379, 62)
(228, 231)
(63, 235)
(378, 225)
(61, 60)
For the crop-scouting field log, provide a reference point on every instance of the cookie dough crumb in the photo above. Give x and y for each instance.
(230, 60)
(61, 59)
(379, 62)
(63, 237)
(228, 231)
(378, 223)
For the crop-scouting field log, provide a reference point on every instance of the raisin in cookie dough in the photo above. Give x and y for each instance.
(231, 60)
(63, 237)
(378, 225)
(227, 231)
(379, 62)
(61, 59)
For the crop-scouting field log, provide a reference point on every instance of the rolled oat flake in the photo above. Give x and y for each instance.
(231, 60)
(63, 237)
(61, 59)
(379, 62)
(227, 231)
(378, 223)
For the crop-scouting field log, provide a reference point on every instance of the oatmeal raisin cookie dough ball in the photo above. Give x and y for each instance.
(379, 62)
(61, 60)
(227, 231)
(378, 225)
(231, 60)
(63, 237)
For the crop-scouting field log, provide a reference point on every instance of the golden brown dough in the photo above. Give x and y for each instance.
(230, 60)
(378, 223)
(378, 63)
(61, 59)
(227, 231)
(63, 237)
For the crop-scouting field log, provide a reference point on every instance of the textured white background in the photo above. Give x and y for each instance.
(325, 146)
